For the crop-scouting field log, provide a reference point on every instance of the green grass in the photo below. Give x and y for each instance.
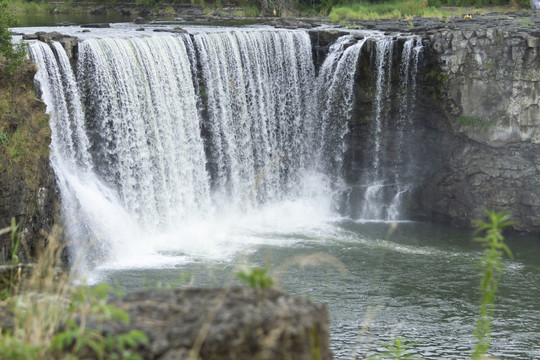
(392, 9)
(364, 10)
(30, 7)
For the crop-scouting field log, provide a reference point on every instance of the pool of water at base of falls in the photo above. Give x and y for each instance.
(380, 282)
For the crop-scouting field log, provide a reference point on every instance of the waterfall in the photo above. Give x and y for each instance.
(388, 172)
(258, 88)
(91, 209)
(403, 149)
(145, 142)
(154, 133)
(335, 96)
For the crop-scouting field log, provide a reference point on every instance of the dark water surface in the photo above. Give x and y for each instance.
(418, 282)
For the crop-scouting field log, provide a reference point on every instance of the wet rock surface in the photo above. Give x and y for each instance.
(27, 184)
(476, 117)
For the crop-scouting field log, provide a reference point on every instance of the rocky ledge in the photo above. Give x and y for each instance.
(224, 323)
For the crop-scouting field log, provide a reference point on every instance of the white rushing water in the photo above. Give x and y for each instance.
(387, 175)
(335, 85)
(165, 146)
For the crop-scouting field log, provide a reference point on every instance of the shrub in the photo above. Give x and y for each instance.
(11, 56)
(256, 278)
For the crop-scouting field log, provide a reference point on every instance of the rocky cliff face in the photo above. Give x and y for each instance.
(484, 85)
(491, 81)
(476, 120)
(26, 181)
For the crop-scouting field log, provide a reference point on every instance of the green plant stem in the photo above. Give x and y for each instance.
(490, 266)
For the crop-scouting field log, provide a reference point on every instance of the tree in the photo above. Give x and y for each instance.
(11, 56)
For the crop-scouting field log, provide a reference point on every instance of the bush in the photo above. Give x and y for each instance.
(11, 56)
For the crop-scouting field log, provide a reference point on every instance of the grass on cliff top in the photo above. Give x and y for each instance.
(393, 9)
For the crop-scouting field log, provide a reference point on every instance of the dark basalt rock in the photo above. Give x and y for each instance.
(321, 41)
(174, 31)
(97, 25)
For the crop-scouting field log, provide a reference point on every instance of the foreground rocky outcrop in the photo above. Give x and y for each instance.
(223, 323)
(228, 323)
(27, 184)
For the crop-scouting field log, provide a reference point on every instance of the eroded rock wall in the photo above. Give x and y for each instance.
(481, 103)
(27, 185)
(491, 79)
(475, 128)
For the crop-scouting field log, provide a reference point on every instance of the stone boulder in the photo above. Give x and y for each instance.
(97, 25)
(226, 323)
(70, 43)
(176, 30)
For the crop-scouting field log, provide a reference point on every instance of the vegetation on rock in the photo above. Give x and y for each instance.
(48, 318)
(24, 143)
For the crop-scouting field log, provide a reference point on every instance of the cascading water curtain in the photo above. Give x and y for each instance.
(335, 95)
(140, 143)
(387, 173)
(155, 132)
(145, 125)
(257, 93)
